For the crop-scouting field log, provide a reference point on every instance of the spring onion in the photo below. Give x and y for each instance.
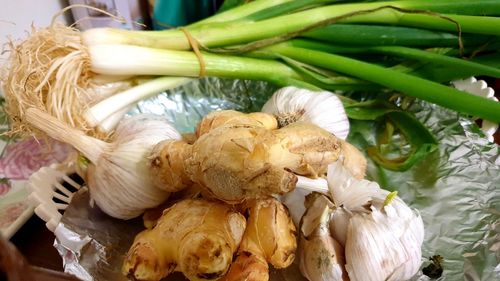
(405, 52)
(58, 65)
(410, 85)
(233, 34)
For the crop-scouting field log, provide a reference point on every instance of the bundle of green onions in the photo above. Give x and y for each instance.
(347, 46)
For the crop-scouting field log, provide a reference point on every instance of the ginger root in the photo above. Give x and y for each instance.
(231, 117)
(270, 237)
(167, 166)
(237, 157)
(151, 216)
(196, 237)
(353, 160)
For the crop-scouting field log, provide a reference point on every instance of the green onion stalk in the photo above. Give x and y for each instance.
(261, 25)
(405, 13)
(106, 58)
(386, 35)
(404, 52)
(60, 62)
(408, 84)
(51, 70)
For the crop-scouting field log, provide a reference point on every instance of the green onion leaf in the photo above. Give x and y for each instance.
(422, 143)
(378, 35)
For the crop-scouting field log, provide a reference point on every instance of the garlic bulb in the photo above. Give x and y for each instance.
(323, 109)
(118, 176)
(380, 235)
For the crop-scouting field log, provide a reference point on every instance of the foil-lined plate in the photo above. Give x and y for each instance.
(456, 189)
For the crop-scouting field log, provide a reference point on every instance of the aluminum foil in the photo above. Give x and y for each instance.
(456, 190)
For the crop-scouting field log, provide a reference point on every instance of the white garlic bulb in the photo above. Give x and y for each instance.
(118, 175)
(120, 182)
(380, 235)
(324, 109)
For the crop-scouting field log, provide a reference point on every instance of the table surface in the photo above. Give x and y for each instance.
(35, 242)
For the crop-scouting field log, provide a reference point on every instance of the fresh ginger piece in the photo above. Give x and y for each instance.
(353, 160)
(236, 163)
(189, 138)
(248, 267)
(236, 157)
(270, 237)
(151, 216)
(317, 148)
(268, 121)
(196, 237)
(167, 165)
(217, 119)
(270, 232)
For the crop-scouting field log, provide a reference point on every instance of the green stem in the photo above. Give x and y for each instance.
(286, 8)
(234, 34)
(321, 78)
(107, 107)
(377, 35)
(468, 24)
(475, 68)
(410, 85)
(134, 60)
(415, 54)
(241, 11)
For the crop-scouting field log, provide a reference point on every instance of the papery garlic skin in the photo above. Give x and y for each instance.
(294, 200)
(386, 246)
(324, 109)
(120, 182)
(382, 242)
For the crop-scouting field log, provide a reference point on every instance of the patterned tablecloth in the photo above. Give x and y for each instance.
(19, 158)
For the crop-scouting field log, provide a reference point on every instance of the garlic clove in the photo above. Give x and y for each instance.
(324, 109)
(322, 259)
(338, 225)
(118, 176)
(146, 125)
(479, 88)
(321, 256)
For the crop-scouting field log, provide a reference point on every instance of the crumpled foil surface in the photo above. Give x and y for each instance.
(456, 190)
